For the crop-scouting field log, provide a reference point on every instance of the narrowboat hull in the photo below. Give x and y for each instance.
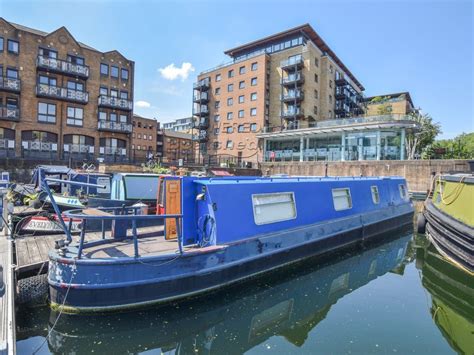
(450, 219)
(77, 286)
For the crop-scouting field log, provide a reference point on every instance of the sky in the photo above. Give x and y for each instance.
(424, 47)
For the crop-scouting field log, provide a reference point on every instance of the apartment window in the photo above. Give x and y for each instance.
(45, 52)
(217, 104)
(230, 129)
(230, 101)
(241, 99)
(315, 94)
(253, 111)
(215, 145)
(253, 127)
(273, 207)
(144, 136)
(113, 118)
(217, 118)
(341, 199)
(330, 98)
(403, 192)
(74, 85)
(113, 93)
(75, 60)
(124, 95)
(331, 69)
(242, 70)
(230, 87)
(12, 103)
(139, 146)
(242, 85)
(330, 83)
(253, 81)
(13, 46)
(104, 69)
(103, 91)
(230, 73)
(217, 91)
(218, 77)
(124, 119)
(75, 116)
(102, 115)
(11, 73)
(124, 74)
(375, 194)
(316, 78)
(316, 61)
(46, 80)
(216, 130)
(241, 128)
(114, 71)
(241, 114)
(229, 144)
(253, 96)
(230, 115)
(254, 66)
(1, 44)
(315, 110)
(46, 112)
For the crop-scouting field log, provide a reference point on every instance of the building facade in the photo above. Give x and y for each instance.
(61, 99)
(144, 138)
(285, 81)
(184, 125)
(177, 146)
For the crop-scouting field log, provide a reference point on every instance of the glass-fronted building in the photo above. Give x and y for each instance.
(364, 138)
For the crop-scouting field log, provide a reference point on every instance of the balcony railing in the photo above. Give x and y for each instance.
(62, 66)
(112, 151)
(115, 126)
(292, 79)
(292, 62)
(201, 137)
(296, 95)
(10, 84)
(202, 123)
(78, 149)
(292, 113)
(202, 84)
(115, 102)
(9, 113)
(201, 97)
(60, 93)
(203, 111)
(7, 144)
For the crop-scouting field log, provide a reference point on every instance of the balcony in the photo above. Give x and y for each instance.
(112, 126)
(201, 112)
(293, 79)
(78, 149)
(56, 92)
(39, 150)
(10, 84)
(293, 96)
(201, 97)
(292, 64)
(9, 113)
(62, 67)
(7, 148)
(202, 84)
(115, 102)
(202, 123)
(201, 137)
(293, 113)
(113, 154)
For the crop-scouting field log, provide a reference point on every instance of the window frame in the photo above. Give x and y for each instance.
(122, 70)
(47, 114)
(9, 40)
(74, 119)
(348, 194)
(293, 201)
(374, 190)
(112, 67)
(104, 65)
(402, 190)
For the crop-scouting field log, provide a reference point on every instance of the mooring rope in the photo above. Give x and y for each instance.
(456, 192)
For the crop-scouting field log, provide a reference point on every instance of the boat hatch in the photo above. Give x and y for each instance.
(169, 202)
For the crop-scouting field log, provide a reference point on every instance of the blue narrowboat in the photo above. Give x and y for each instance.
(217, 231)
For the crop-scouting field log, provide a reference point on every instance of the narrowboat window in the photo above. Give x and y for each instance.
(403, 191)
(273, 207)
(342, 199)
(375, 194)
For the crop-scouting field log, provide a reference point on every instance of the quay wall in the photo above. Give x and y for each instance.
(417, 172)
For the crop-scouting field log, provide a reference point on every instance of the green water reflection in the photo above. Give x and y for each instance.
(395, 296)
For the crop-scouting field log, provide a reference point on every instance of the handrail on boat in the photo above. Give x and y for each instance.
(79, 214)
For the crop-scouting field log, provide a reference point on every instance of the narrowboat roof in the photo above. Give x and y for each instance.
(264, 180)
(137, 174)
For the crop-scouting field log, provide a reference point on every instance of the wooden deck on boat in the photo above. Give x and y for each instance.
(32, 251)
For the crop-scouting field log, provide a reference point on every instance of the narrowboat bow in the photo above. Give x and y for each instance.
(217, 232)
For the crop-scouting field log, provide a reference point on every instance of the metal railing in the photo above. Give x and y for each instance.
(204, 110)
(10, 84)
(115, 102)
(8, 113)
(203, 96)
(62, 66)
(292, 62)
(292, 78)
(293, 95)
(202, 83)
(115, 126)
(78, 149)
(295, 112)
(62, 93)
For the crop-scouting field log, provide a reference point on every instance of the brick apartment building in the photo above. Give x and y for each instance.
(62, 99)
(184, 125)
(176, 146)
(144, 137)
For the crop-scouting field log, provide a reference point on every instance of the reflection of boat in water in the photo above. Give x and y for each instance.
(452, 294)
(235, 320)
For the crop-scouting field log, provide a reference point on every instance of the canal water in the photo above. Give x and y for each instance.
(393, 296)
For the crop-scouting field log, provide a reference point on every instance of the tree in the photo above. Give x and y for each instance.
(460, 147)
(418, 140)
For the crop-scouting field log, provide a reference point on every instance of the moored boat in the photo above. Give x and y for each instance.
(449, 217)
(218, 232)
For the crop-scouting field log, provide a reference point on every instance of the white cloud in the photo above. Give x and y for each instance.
(142, 104)
(172, 72)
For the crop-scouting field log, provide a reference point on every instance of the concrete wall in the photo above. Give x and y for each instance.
(417, 172)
